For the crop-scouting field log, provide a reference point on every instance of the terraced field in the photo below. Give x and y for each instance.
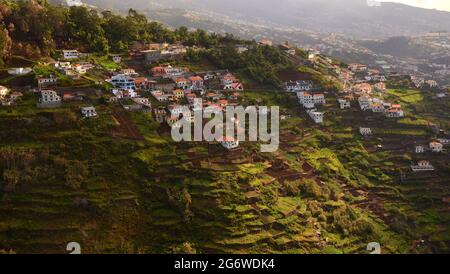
(327, 190)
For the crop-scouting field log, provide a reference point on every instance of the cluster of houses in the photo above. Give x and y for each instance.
(176, 88)
(180, 100)
(360, 84)
(309, 100)
(51, 99)
(377, 105)
(421, 82)
(435, 146)
(359, 79)
(288, 49)
(74, 71)
(127, 84)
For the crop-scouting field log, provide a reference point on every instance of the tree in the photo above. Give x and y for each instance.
(5, 46)
(11, 177)
(86, 26)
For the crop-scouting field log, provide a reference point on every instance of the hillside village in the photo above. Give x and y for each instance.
(354, 142)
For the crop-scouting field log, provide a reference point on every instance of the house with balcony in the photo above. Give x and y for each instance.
(122, 81)
(70, 54)
(343, 104)
(436, 147)
(365, 131)
(296, 86)
(88, 112)
(229, 142)
(316, 116)
(49, 99)
(197, 83)
(419, 149)
(422, 166)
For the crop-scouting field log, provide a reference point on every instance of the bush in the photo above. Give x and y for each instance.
(76, 173)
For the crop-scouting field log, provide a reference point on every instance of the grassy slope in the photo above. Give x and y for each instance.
(153, 195)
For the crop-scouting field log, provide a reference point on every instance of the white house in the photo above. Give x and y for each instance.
(122, 81)
(394, 113)
(196, 82)
(74, 3)
(365, 131)
(124, 93)
(422, 166)
(70, 54)
(377, 107)
(344, 104)
(443, 141)
(19, 71)
(60, 65)
(436, 146)
(230, 82)
(177, 110)
(116, 58)
(142, 101)
(420, 149)
(49, 98)
(129, 72)
(431, 83)
(88, 112)
(241, 48)
(3, 91)
(47, 81)
(79, 68)
(229, 142)
(182, 83)
(364, 102)
(306, 98)
(15, 95)
(295, 86)
(316, 116)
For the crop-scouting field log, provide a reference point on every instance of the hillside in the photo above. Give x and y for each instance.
(353, 18)
(116, 182)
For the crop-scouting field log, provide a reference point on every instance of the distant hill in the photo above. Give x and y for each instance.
(353, 18)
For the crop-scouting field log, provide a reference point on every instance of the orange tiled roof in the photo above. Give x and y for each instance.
(195, 78)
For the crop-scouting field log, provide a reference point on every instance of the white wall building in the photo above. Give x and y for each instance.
(436, 146)
(229, 142)
(419, 149)
(316, 116)
(295, 86)
(422, 166)
(70, 54)
(88, 112)
(47, 81)
(365, 131)
(122, 81)
(124, 93)
(49, 98)
(309, 98)
(343, 104)
(3, 91)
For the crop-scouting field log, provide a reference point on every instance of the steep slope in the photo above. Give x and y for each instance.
(349, 17)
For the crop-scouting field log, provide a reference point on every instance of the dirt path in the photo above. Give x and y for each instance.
(126, 129)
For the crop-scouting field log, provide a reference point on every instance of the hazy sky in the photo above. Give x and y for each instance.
(430, 4)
